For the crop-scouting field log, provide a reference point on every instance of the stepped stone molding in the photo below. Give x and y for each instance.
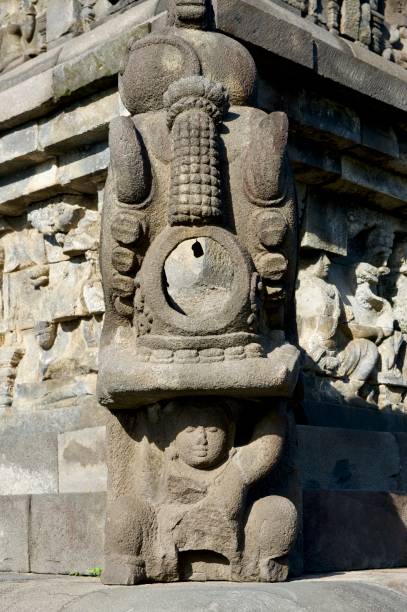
(195, 184)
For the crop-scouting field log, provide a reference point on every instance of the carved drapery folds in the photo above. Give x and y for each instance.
(198, 257)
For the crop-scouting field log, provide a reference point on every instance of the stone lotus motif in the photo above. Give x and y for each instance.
(198, 255)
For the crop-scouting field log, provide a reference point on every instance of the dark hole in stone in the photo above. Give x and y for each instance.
(197, 249)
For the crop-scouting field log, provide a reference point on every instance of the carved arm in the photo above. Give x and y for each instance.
(259, 456)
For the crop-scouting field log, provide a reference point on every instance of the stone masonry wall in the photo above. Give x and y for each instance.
(348, 147)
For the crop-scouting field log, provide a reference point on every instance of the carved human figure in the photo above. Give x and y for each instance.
(198, 248)
(23, 35)
(198, 501)
(373, 315)
(324, 335)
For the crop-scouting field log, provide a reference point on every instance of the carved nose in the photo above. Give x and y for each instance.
(202, 438)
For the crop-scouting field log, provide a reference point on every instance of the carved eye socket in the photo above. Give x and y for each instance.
(213, 429)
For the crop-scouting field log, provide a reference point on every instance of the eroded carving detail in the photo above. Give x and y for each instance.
(351, 328)
(189, 514)
(198, 261)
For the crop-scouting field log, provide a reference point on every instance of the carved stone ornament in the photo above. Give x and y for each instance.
(198, 258)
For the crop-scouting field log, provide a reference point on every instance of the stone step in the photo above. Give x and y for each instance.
(351, 592)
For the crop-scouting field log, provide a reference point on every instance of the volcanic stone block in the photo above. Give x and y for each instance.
(350, 530)
(81, 460)
(67, 532)
(62, 18)
(331, 458)
(26, 100)
(79, 124)
(402, 443)
(28, 464)
(14, 511)
(324, 225)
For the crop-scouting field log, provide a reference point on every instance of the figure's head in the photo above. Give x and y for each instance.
(45, 332)
(366, 273)
(379, 246)
(318, 266)
(203, 431)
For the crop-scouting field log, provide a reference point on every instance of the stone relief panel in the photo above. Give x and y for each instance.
(52, 301)
(379, 25)
(22, 31)
(198, 256)
(350, 308)
(30, 27)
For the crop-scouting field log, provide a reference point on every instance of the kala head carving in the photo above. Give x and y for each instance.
(199, 226)
(198, 257)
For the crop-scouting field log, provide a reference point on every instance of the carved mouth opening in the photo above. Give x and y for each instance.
(198, 276)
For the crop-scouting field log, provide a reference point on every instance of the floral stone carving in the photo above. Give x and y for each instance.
(198, 257)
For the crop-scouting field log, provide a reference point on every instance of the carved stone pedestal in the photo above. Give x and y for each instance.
(198, 254)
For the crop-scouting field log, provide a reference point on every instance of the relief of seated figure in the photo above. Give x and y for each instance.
(324, 335)
(192, 496)
(23, 34)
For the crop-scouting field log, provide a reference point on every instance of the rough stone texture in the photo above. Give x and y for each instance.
(82, 461)
(346, 530)
(347, 146)
(274, 28)
(28, 464)
(351, 313)
(341, 459)
(67, 532)
(14, 533)
(214, 327)
(348, 591)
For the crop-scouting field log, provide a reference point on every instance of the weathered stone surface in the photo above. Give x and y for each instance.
(197, 313)
(67, 532)
(331, 458)
(324, 225)
(402, 445)
(20, 143)
(85, 413)
(14, 533)
(28, 464)
(346, 530)
(62, 18)
(27, 100)
(82, 461)
(349, 591)
(272, 27)
(79, 124)
(96, 64)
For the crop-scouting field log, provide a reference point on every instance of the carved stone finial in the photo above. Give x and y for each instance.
(198, 254)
